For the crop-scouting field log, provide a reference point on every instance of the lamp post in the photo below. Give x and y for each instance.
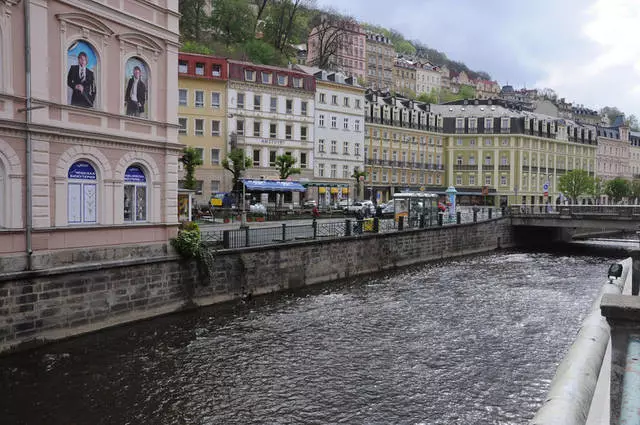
(243, 214)
(361, 178)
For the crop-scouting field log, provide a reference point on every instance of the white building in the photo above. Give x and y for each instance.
(428, 79)
(271, 111)
(339, 132)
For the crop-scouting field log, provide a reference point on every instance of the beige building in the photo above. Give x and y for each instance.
(350, 54)
(634, 154)
(94, 160)
(428, 79)
(404, 77)
(614, 153)
(380, 57)
(486, 89)
(202, 117)
(445, 78)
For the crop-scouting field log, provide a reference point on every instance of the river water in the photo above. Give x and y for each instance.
(466, 341)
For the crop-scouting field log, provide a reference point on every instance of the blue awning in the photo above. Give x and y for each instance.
(273, 186)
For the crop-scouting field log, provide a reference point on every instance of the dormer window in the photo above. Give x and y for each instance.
(459, 123)
(488, 123)
(216, 70)
(266, 78)
(183, 67)
(297, 82)
(200, 69)
(282, 80)
(249, 75)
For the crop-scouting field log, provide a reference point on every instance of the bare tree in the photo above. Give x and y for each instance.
(281, 21)
(329, 34)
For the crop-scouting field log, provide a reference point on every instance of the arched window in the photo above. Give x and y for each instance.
(82, 78)
(137, 81)
(4, 211)
(135, 195)
(82, 194)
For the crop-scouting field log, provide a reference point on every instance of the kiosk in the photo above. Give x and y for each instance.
(417, 208)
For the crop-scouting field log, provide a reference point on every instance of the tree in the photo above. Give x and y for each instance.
(232, 21)
(191, 158)
(258, 51)
(279, 24)
(285, 166)
(428, 98)
(597, 190)
(575, 183)
(635, 190)
(193, 19)
(612, 113)
(548, 93)
(236, 163)
(617, 189)
(195, 47)
(357, 174)
(405, 47)
(632, 122)
(467, 92)
(329, 33)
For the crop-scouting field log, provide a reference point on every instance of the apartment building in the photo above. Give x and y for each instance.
(339, 137)
(614, 153)
(634, 154)
(271, 112)
(202, 117)
(486, 89)
(404, 147)
(380, 55)
(445, 78)
(428, 79)
(350, 54)
(404, 77)
(103, 160)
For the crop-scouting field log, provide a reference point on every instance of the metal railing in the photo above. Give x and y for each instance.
(603, 211)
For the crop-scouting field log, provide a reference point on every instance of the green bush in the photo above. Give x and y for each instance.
(187, 243)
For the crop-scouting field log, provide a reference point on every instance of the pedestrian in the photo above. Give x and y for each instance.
(315, 212)
(379, 211)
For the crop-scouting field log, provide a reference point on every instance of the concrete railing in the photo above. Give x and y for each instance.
(569, 398)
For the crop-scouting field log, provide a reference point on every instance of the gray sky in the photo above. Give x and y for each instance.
(588, 51)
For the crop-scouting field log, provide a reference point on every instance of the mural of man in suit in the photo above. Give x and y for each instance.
(136, 94)
(80, 79)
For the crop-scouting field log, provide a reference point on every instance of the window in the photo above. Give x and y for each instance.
(321, 145)
(334, 100)
(320, 120)
(199, 99)
(303, 160)
(334, 146)
(288, 132)
(459, 160)
(358, 106)
(345, 148)
(487, 160)
(488, 142)
(303, 108)
(334, 122)
(503, 180)
(183, 97)
(320, 170)
(272, 158)
(215, 156)
(256, 129)
(345, 102)
(334, 171)
(183, 67)
(472, 160)
(215, 186)
(345, 124)
(240, 128)
(357, 125)
(82, 194)
(356, 149)
(459, 142)
(289, 106)
(249, 75)
(345, 171)
(200, 69)
(303, 133)
(216, 70)
(266, 77)
(459, 123)
(215, 100)
(503, 160)
(273, 130)
(182, 122)
(438, 179)
(282, 80)
(297, 82)
(199, 131)
(135, 194)
(256, 155)
(472, 179)
(215, 128)
(458, 180)
(241, 100)
(257, 102)
(273, 104)
(323, 98)
(487, 180)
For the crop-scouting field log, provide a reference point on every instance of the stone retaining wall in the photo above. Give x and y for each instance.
(73, 299)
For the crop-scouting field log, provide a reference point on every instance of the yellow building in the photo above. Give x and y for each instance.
(202, 116)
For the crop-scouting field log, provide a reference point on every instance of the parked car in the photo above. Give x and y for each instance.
(371, 206)
(355, 207)
(310, 203)
(258, 208)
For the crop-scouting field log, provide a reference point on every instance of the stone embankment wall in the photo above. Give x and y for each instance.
(125, 284)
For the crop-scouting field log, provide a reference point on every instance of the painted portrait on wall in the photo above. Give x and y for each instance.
(136, 92)
(82, 71)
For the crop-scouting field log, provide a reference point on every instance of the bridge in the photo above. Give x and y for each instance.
(605, 217)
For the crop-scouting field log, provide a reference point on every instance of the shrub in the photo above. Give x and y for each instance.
(187, 243)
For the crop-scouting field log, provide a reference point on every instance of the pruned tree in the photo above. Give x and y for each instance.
(617, 189)
(285, 166)
(575, 183)
(597, 190)
(191, 158)
(236, 162)
(635, 190)
(329, 33)
(358, 175)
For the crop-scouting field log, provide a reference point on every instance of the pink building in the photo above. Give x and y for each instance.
(350, 55)
(94, 161)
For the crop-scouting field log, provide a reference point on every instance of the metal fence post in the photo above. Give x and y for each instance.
(315, 228)
(490, 213)
(458, 217)
(635, 273)
(246, 236)
(225, 239)
(401, 223)
(475, 216)
(422, 221)
(440, 219)
(376, 225)
(347, 227)
(284, 232)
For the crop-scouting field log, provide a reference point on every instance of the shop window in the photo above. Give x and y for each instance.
(135, 195)
(82, 194)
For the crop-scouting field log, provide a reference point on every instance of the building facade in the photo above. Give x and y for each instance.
(614, 153)
(350, 54)
(93, 159)
(634, 154)
(428, 79)
(271, 113)
(202, 117)
(404, 77)
(339, 137)
(380, 55)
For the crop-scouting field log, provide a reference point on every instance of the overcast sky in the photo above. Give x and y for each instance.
(588, 51)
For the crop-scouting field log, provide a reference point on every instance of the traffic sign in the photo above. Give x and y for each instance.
(545, 187)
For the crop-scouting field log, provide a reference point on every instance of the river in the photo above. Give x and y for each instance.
(474, 340)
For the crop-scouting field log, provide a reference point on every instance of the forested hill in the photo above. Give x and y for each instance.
(265, 31)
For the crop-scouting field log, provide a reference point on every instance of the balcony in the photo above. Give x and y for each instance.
(504, 167)
(465, 167)
(487, 167)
